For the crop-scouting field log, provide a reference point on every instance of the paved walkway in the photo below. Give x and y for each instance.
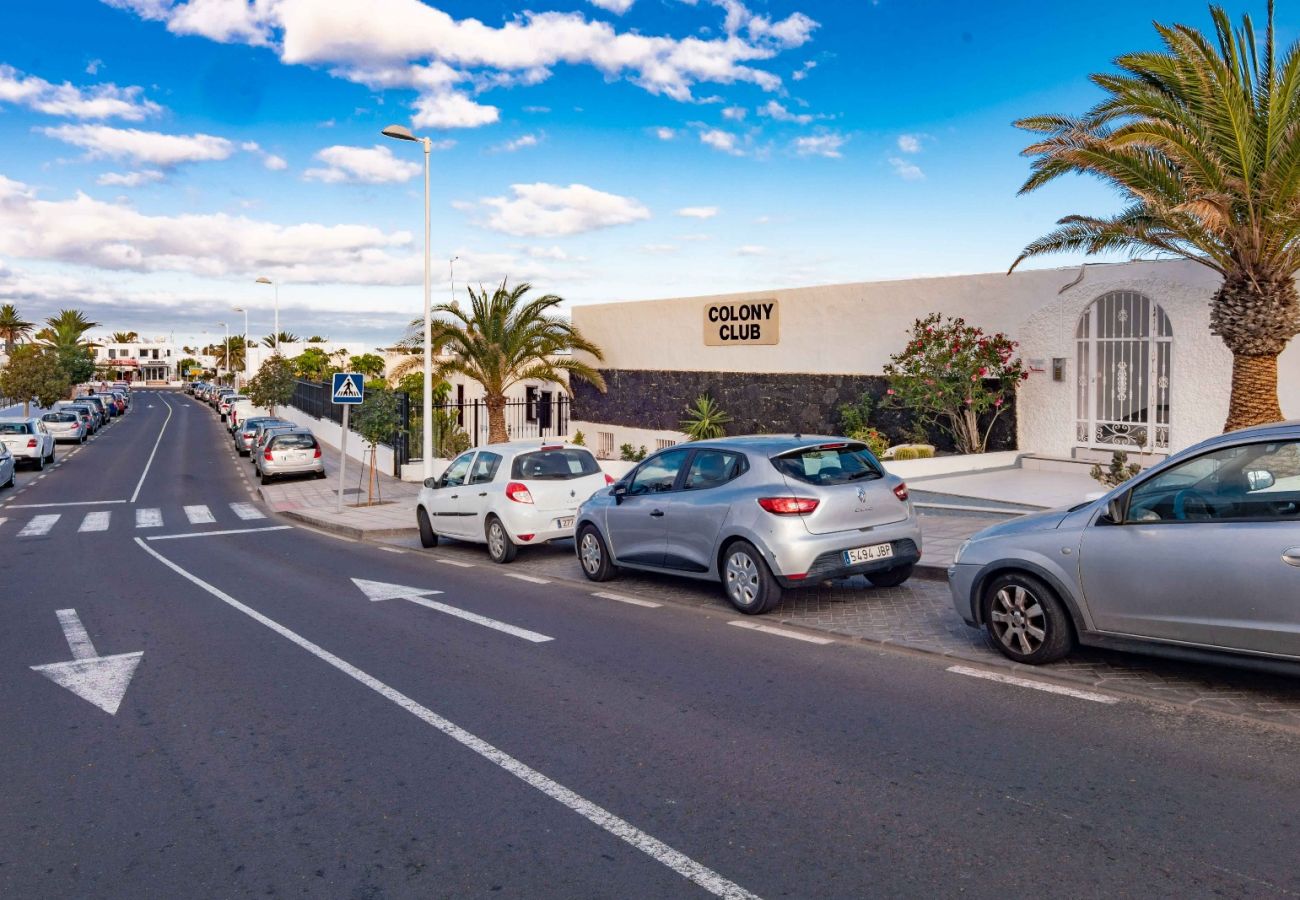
(1028, 487)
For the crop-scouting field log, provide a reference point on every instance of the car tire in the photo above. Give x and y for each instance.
(747, 582)
(890, 577)
(1026, 620)
(13, 477)
(593, 555)
(427, 536)
(40, 464)
(265, 479)
(51, 459)
(500, 548)
(320, 476)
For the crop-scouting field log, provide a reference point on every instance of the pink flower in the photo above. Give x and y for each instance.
(890, 391)
(997, 402)
(974, 378)
(983, 371)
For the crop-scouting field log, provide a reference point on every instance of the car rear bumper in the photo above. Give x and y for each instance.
(541, 524)
(277, 469)
(813, 558)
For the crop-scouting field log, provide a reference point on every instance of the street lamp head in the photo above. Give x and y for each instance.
(236, 309)
(263, 280)
(399, 132)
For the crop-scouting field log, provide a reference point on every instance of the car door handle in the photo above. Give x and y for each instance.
(482, 493)
(659, 512)
(1291, 557)
(454, 496)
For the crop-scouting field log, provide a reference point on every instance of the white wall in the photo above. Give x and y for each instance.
(331, 433)
(637, 437)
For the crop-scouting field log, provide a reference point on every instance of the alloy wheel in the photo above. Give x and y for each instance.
(496, 540)
(589, 553)
(1018, 619)
(742, 579)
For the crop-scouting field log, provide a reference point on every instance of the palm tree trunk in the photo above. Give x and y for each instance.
(496, 407)
(1254, 392)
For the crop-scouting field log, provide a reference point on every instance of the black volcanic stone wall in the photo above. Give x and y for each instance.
(758, 403)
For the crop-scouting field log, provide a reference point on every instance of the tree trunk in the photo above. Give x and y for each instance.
(496, 407)
(1254, 392)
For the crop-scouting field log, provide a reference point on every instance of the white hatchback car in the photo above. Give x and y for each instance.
(28, 440)
(509, 495)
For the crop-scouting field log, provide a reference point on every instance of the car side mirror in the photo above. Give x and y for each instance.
(1115, 510)
(431, 482)
(1260, 480)
(619, 490)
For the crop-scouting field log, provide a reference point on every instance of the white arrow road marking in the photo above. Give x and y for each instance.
(199, 515)
(1034, 685)
(379, 590)
(148, 518)
(648, 844)
(100, 680)
(95, 521)
(247, 511)
(39, 525)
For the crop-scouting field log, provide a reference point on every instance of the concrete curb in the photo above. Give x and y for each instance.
(326, 523)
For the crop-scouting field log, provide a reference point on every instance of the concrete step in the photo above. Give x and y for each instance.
(1083, 463)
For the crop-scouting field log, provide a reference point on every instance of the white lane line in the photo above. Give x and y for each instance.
(78, 639)
(783, 632)
(198, 534)
(247, 511)
(675, 860)
(148, 518)
(385, 549)
(1034, 685)
(199, 515)
(73, 503)
(145, 473)
(455, 562)
(495, 625)
(529, 578)
(624, 599)
(95, 521)
(3, 520)
(39, 525)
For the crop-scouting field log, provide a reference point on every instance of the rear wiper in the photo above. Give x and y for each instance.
(864, 473)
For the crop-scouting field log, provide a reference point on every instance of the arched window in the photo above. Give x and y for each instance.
(1124, 346)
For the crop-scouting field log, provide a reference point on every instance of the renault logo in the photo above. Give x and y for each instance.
(862, 495)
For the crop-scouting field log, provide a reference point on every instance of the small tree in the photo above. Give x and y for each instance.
(273, 384)
(951, 374)
(33, 374)
(376, 420)
(368, 364)
(705, 420)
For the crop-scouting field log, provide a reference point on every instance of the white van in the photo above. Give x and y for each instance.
(242, 409)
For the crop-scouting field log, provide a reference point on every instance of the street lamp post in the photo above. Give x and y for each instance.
(276, 287)
(226, 364)
(244, 310)
(402, 133)
(451, 271)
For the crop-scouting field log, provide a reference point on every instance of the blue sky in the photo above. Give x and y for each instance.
(162, 154)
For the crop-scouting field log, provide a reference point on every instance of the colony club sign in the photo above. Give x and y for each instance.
(741, 322)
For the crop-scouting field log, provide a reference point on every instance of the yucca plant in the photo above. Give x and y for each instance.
(705, 420)
(1202, 140)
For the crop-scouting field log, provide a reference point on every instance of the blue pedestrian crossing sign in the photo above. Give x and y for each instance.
(348, 387)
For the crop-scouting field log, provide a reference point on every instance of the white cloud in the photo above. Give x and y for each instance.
(520, 143)
(362, 165)
(100, 101)
(909, 143)
(537, 109)
(550, 210)
(698, 212)
(665, 134)
(659, 249)
(802, 73)
(130, 179)
(275, 163)
(734, 113)
(721, 140)
(777, 111)
(827, 144)
(906, 170)
(752, 250)
(149, 147)
(694, 238)
(452, 109)
(92, 67)
(617, 7)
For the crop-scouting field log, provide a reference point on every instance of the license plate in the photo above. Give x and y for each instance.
(297, 456)
(566, 522)
(859, 555)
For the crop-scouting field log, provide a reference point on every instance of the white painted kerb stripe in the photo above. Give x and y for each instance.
(679, 862)
(782, 632)
(1034, 685)
(455, 562)
(622, 599)
(530, 578)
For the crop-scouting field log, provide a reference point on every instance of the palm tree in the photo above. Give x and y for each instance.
(63, 334)
(124, 337)
(13, 327)
(502, 340)
(1202, 139)
(285, 338)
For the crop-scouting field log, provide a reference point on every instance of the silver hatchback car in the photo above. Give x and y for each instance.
(760, 514)
(1197, 557)
(290, 453)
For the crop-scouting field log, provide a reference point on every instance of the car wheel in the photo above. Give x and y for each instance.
(427, 536)
(51, 459)
(1026, 620)
(13, 476)
(266, 479)
(500, 548)
(747, 581)
(320, 476)
(593, 555)
(890, 577)
(40, 463)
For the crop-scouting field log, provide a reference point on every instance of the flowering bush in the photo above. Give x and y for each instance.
(953, 375)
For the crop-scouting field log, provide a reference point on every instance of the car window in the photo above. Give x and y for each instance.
(835, 463)
(659, 473)
(555, 464)
(59, 417)
(1247, 481)
(711, 468)
(456, 472)
(485, 468)
(14, 428)
(293, 442)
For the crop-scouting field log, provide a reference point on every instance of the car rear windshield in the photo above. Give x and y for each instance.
(15, 428)
(559, 464)
(293, 442)
(59, 417)
(837, 463)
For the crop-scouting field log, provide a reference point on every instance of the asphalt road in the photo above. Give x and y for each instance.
(283, 734)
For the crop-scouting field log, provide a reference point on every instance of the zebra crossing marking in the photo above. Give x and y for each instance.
(148, 518)
(247, 511)
(95, 521)
(199, 515)
(40, 525)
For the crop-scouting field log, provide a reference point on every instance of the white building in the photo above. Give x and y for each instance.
(143, 359)
(1121, 355)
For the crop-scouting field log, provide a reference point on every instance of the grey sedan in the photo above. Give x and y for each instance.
(1198, 556)
(8, 466)
(760, 514)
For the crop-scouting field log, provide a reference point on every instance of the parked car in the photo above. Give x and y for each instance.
(264, 433)
(88, 413)
(244, 434)
(226, 402)
(65, 425)
(1198, 556)
(760, 514)
(8, 466)
(241, 409)
(294, 452)
(28, 440)
(519, 493)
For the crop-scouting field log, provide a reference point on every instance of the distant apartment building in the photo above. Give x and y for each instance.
(139, 360)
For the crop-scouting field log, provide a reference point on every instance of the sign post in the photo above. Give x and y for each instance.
(348, 389)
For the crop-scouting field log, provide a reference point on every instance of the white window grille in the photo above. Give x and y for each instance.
(605, 444)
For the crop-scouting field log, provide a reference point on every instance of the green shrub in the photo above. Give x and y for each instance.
(876, 442)
(579, 438)
(627, 454)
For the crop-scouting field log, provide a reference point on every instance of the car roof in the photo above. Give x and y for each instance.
(770, 443)
(523, 445)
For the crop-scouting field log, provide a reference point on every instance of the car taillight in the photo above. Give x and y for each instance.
(524, 537)
(788, 506)
(316, 455)
(31, 445)
(901, 492)
(267, 456)
(609, 479)
(518, 492)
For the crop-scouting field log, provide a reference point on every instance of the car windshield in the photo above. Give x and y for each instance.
(59, 417)
(556, 464)
(294, 442)
(15, 428)
(834, 463)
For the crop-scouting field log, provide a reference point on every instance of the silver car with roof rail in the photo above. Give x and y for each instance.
(760, 514)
